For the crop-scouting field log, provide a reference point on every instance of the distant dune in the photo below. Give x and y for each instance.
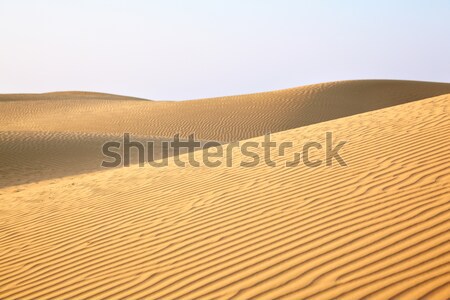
(376, 229)
(222, 119)
(66, 127)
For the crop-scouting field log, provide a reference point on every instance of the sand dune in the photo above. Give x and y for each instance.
(28, 156)
(222, 119)
(67, 127)
(376, 229)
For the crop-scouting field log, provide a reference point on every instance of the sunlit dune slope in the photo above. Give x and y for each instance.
(62, 133)
(376, 229)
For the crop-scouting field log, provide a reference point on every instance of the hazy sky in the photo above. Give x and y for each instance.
(192, 49)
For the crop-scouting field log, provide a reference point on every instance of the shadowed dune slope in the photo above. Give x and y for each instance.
(31, 156)
(56, 134)
(376, 229)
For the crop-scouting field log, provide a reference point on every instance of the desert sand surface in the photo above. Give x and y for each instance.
(375, 229)
(223, 119)
(59, 134)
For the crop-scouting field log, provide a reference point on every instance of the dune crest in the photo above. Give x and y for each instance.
(223, 119)
(66, 127)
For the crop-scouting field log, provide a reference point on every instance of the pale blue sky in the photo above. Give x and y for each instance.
(191, 49)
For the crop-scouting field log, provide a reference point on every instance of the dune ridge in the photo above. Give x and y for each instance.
(222, 119)
(66, 127)
(376, 229)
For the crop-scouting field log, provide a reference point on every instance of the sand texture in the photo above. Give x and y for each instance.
(375, 229)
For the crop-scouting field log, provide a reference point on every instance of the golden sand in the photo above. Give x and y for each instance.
(376, 229)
